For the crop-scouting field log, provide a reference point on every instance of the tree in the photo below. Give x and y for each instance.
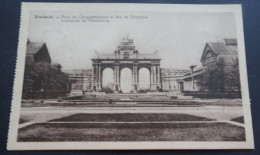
(220, 77)
(43, 77)
(35, 76)
(57, 79)
(233, 77)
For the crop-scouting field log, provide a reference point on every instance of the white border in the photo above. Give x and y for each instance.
(18, 82)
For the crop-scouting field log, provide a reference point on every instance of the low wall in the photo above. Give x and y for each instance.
(44, 95)
(209, 95)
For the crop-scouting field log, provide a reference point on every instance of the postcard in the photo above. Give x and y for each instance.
(98, 76)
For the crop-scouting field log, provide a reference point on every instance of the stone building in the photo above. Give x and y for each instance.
(214, 52)
(225, 51)
(79, 80)
(171, 77)
(189, 82)
(37, 52)
(126, 56)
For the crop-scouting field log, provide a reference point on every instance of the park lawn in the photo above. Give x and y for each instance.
(130, 117)
(238, 119)
(56, 132)
(21, 121)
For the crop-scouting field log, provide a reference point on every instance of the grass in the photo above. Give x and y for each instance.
(21, 121)
(130, 117)
(238, 119)
(44, 132)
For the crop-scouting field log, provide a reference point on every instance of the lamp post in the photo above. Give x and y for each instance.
(192, 76)
(169, 73)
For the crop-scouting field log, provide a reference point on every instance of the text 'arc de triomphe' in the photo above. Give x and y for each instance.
(126, 56)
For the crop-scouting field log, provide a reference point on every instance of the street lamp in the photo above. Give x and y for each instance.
(192, 76)
(169, 73)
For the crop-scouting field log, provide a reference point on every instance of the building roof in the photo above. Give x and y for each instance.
(223, 49)
(228, 47)
(131, 56)
(196, 72)
(34, 47)
(167, 72)
(174, 70)
(78, 71)
(231, 41)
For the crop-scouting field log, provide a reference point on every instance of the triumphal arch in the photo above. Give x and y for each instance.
(126, 55)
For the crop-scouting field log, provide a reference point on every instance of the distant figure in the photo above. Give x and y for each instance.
(110, 101)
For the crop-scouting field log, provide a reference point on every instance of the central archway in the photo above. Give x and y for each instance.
(144, 79)
(126, 80)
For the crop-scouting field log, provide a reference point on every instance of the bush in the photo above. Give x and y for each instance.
(44, 95)
(144, 90)
(211, 95)
(220, 78)
(108, 90)
(44, 80)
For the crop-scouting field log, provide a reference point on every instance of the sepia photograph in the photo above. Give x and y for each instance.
(130, 76)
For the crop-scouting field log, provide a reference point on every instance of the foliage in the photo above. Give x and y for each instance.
(144, 90)
(220, 78)
(44, 77)
(107, 90)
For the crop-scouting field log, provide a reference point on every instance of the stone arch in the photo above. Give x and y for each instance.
(144, 78)
(107, 66)
(108, 81)
(148, 67)
(125, 66)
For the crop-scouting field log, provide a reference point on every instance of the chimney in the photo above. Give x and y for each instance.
(230, 41)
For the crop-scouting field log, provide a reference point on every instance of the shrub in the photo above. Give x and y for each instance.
(108, 90)
(144, 90)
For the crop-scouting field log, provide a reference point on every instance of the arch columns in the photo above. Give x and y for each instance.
(155, 74)
(117, 78)
(135, 78)
(96, 78)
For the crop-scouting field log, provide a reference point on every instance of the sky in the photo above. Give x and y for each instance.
(178, 37)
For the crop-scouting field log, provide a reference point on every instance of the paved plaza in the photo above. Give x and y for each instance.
(46, 113)
(140, 121)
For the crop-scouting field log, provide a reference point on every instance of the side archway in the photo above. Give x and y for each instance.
(107, 80)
